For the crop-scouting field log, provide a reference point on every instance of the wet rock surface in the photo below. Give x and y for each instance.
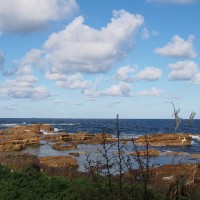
(150, 152)
(17, 138)
(165, 139)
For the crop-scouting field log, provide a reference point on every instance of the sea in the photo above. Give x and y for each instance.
(128, 128)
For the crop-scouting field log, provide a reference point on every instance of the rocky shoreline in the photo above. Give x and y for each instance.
(20, 137)
(13, 140)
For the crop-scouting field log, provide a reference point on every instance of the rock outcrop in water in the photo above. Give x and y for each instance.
(150, 152)
(165, 140)
(78, 138)
(17, 138)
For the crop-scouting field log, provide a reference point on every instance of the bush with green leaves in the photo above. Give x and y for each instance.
(31, 184)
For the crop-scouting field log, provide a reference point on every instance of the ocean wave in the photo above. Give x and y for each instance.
(195, 137)
(9, 125)
(57, 129)
(193, 142)
(15, 124)
(126, 136)
(70, 124)
(64, 124)
(44, 132)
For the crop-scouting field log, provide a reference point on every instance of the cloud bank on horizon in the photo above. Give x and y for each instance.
(77, 58)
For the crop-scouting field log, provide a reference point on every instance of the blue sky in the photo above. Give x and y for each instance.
(96, 59)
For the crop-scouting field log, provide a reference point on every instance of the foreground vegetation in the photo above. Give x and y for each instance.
(31, 184)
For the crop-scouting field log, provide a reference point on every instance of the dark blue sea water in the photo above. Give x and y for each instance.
(128, 127)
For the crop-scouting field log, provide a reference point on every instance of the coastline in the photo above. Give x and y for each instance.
(75, 155)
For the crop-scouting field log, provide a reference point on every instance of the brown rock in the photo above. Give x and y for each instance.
(161, 177)
(100, 138)
(58, 161)
(74, 154)
(11, 145)
(103, 137)
(57, 137)
(16, 138)
(195, 156)
(65, 146)
(32, 141)
(81, 136)
(46, 127)
(19, 160)
(19, 131)
(151, 152)
(164, 175)
(174, 153)
(165, 140)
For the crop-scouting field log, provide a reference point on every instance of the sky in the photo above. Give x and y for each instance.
(96, 59)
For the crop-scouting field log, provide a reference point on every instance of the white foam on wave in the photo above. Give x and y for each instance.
(9, 125)
(65, 124)
(57, 129)
(70, 124)
(45, 132)
(72, 133)
(126, 136)
(195, 137)
(15, 125)
(193, 142)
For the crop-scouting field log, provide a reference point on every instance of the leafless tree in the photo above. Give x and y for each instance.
(192, 115)
(177, 118)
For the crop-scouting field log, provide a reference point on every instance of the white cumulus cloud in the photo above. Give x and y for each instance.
(121, 89)
(23, 86)
(125, 73)
(75, 81)
(81, 48)
(183, 70)
(32, 58)
(130, 74)
(178, 47)
(149, 74)
(30, 15)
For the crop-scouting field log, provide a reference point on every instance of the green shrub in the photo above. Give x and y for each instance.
(31, 184)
